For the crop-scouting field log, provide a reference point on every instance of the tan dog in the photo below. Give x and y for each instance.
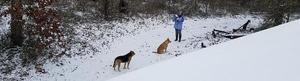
(163, 47)
(123, 59)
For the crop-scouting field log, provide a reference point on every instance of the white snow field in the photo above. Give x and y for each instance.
(269, 55)
(141, 36)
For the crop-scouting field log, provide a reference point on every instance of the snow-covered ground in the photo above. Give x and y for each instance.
(140, 36)
(4, 25)
(269, 55)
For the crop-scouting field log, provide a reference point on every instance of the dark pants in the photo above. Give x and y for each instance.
(178, 34)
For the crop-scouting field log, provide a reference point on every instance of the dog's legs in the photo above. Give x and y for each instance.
(128, 64)
(166, 49)
(119, 65)
(114, 65)
(114, 68)
(125, 65)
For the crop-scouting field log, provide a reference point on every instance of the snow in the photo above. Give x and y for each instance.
(97, 44)
(79, 13)
(269, 55)
(4, 25)
(142, 36)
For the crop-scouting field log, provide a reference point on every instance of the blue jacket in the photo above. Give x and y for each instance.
(178, 22)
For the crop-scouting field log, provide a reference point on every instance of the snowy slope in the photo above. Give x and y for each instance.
(270, 55)
(141, 36)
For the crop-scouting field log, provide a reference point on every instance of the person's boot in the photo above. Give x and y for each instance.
(176, 34)
(179, 37)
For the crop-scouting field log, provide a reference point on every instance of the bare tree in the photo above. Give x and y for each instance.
(17, 23)
(122, 6)
(105, 9)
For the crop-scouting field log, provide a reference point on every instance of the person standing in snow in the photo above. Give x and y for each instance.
(178, 19)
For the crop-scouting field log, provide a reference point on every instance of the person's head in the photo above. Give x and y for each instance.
(180, 14)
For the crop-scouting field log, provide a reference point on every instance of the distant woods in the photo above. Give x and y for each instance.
(279, 11)
(116, 9)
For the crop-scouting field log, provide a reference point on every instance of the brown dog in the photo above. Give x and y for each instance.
(123, 59)
(163, 47)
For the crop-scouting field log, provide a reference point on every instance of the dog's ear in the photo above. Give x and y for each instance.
(169, 40)
(131, 52)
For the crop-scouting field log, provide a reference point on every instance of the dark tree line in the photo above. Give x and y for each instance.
(280, 10)
(113, 8)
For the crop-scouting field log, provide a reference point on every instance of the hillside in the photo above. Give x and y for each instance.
(142, 39)
(269, 55)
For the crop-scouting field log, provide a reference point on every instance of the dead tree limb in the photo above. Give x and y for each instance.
(232, 36)
(243, 27)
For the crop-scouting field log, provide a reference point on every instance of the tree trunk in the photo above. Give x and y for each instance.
(105, 9)
(17, 23)
(122, 6)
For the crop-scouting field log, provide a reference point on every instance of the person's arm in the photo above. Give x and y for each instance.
(175, 18)
(181, 19)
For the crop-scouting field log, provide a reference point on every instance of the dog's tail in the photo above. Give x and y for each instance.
(154, 52)
(114, 65)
